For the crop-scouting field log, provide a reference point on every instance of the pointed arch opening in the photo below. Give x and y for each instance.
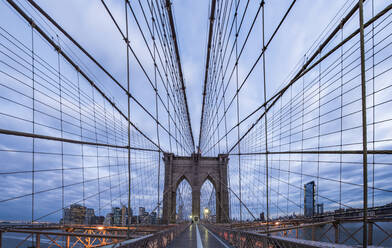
(208, 201)
(183, 200)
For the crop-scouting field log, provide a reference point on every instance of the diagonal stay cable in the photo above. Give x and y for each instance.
(77, 44)
(305, 68)
(253, 67)
(131, 49)
(72, 63)
(174, 37)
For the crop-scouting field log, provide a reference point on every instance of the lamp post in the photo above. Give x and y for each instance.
(206, 213)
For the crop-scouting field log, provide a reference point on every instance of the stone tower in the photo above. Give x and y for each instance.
(196, 170)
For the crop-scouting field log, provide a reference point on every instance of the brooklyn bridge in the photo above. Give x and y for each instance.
(219, 123)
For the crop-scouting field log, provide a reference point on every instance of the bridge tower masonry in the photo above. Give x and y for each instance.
(196, 170)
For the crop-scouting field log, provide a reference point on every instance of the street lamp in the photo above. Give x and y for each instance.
(206, 214)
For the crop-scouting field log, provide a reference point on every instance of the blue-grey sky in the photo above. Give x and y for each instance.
(306, 26)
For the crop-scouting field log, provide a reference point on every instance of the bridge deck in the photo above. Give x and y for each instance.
(197, 236)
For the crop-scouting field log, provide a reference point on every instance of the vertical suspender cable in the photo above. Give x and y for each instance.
(210, 33)
(129, 123)
(33, 147)
(318, 130)
(302, 138)
(373, 106)
(81, 138)
(117, 160)
(156, 104)
(61, 129)
(341, 121)
(108, 153)
(97, 150)
(364, 123)
(33, 140)
(265, 120)
(238, 110)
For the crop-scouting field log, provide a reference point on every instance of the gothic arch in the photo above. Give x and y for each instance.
(182, 212)
(196, 170)
(209, 201)
(211, 179)
(180, 179)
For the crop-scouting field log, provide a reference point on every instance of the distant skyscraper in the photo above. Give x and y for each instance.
(141, 211)
(99, 220)
(66, 216)
(108, 220)
(78, 213)
(117, 218)
(320, 208)
(153, 218)
(90, 216)
(309, 199)
(141, 215)
(262, 218)
(180, 213)
(75, 214)
(124, 215)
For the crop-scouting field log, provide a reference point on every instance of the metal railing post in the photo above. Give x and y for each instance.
(67, 244)
(370, 233)
(37, 240)
(336, 227)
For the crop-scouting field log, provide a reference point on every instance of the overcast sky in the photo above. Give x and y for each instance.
(89, 23)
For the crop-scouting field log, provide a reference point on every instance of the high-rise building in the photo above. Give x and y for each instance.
(108, 219)
(262, 218)
(66, 216)
(98, 220)
(309, 199)
(145, 218)
(180, 214)
(124, 215)
(142, 211)
(134, 219)
(78, 213)
(153, 216)
(75, 214)
(90, 216)
(117, 216)
(320, 208)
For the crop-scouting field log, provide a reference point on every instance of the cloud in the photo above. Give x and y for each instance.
(89, 23)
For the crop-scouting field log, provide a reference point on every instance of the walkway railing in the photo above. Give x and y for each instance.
(156, 240)
(248, 239)
(93, 236)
